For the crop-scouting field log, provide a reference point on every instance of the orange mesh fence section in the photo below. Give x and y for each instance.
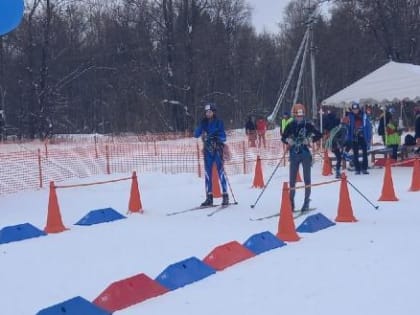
(31, 166)
(19, 171)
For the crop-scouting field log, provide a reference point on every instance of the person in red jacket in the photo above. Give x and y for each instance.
(261, 126)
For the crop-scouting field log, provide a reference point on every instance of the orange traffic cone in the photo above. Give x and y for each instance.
(134, 204)
(388, 193)
(258, 177)
(298, 178)
(345, 211)
(415, 180)
(54, 221)
(215, 182)
(326, 168)
(286, 226)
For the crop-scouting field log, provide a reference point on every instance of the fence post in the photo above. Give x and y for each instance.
(244, 155)
(96, 146)
(108, 168)
(198, 160)
(40, 168)
(46, 149)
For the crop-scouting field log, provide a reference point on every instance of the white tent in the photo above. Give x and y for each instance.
(393, 82)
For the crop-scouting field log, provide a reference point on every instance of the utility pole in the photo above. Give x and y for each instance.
(306, 45)
(2, 93)
(273, 115)
(313, 72)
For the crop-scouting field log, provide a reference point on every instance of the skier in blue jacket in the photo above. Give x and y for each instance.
(212, 131)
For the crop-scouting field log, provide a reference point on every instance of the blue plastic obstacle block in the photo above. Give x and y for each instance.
(100, 216)
(184, 272)
(74, 306)
(19, 232)
(314, 223)
(262, 242)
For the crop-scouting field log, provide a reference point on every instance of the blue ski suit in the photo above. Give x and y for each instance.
(213, 134)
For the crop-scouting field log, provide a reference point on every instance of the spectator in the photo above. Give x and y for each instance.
(417, 128)
(261, 126)
(393, 138)
(286, 119)
(383, 121)
(359, 135)
(336, 142)
(251, 132)
(330, 120)
(2, 127)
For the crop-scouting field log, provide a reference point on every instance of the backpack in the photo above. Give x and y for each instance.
(409, 140)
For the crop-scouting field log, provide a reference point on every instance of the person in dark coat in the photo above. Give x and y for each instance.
(337, 143)
(251, 132)
(298, 135)
(330, 120)
(383, 121)
(417, 128)
(359, 135)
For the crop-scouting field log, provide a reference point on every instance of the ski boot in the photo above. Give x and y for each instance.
(338, 173)
(208, 202)
(347, 156)
(225, 200)
(305, 206)
(292, 203)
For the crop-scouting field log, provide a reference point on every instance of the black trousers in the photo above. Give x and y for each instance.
(303, 157)
(360, 144)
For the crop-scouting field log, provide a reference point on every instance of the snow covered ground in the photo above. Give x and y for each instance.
(367, 267)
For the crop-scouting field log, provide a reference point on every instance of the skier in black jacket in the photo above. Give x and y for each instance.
(298, 135)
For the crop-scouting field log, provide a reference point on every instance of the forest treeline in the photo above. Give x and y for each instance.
(113, 66)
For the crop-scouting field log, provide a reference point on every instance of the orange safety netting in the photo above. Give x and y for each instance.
(30, 166)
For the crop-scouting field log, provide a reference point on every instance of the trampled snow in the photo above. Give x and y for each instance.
(366, 267)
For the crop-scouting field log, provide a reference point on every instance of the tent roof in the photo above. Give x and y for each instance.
(393, 82)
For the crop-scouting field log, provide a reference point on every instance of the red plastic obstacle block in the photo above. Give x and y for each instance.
(227, 255)
(127, 292)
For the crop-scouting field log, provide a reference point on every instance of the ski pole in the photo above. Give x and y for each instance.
(226, 176)
(230, 188)
(360, 193)
(268, 181)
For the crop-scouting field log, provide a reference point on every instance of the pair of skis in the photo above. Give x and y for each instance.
(217, 208)
(296, 214)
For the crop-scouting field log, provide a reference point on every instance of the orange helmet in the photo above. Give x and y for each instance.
(298, 110)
